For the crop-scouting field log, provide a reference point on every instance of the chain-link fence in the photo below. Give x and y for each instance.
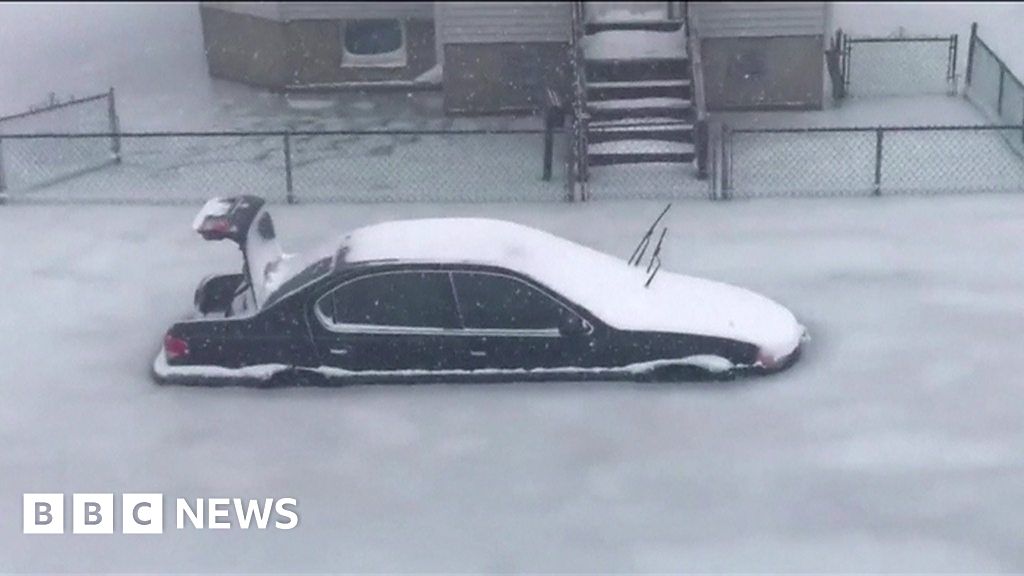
(39, 162)
(870, 161)
(343, 166)
(893, 66)
(993, 88)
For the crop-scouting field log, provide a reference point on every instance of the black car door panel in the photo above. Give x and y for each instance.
(390, 321)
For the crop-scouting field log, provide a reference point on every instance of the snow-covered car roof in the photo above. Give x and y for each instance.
(603, 284)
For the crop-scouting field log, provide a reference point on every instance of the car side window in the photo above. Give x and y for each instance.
(493, 301)
(399, 299)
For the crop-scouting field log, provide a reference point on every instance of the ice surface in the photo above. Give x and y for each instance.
(895, 444)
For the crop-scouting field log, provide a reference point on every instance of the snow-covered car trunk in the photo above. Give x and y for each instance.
(245, 221)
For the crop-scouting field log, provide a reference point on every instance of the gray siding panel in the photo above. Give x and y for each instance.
(356, 10)
(752, 19)
(499, 22)
(266, 10)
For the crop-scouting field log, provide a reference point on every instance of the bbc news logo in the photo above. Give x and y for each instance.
(144, 513)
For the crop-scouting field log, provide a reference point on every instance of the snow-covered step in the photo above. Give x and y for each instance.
(638, 69)
(641, 158)
(668, 125)
(676, 108)
(644, 146)
(676, 133)
(635, 44)
(657, 102)
(633, 122)
(640, 84)
(659, 24)
(638, 89)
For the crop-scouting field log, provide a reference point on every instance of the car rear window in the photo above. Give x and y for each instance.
(311, 273)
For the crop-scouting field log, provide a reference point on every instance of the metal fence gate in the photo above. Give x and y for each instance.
(889, 66)
(28, 164)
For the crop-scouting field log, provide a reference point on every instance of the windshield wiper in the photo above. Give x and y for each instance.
(656, 255)
(641, 248)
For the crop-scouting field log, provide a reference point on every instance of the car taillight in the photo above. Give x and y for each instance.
(174, 347)
(214, 228)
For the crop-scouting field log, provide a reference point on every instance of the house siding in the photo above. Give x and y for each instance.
(502, 22)
(266, 10)
(501, 56)
(288, 11)
(356, 10)
(758, 19)
(276, 54)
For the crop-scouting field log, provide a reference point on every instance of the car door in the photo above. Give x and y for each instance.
(390, 321)
(512, 323)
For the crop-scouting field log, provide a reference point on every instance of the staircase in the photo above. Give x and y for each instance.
(639, 98)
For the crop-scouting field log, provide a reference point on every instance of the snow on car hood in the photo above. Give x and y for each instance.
(606, 286)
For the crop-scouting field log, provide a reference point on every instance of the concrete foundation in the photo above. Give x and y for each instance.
(504, 77)
(765, 73)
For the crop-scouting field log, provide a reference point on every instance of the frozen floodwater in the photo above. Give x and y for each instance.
(896, 444)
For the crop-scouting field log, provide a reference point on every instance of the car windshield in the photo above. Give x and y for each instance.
(311, 273)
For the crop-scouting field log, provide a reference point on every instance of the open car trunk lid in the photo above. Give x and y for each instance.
(245, 221)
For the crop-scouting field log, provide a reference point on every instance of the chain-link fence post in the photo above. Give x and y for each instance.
(700, 135)
(1002, 81)
(970, 54)
(714, 150)
(879, 133)
(3, 179)
(726, 154)
(288, 167)
(954, 42)
(115, 126)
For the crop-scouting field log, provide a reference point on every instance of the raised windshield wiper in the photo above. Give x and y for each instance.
(641, 248)
(656, 255)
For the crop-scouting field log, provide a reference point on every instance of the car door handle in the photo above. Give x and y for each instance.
(478, 353)
(339, 351)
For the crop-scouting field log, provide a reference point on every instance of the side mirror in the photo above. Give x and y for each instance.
(573, 325)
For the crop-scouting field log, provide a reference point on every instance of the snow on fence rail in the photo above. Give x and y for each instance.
(870, 161)
(296, 166)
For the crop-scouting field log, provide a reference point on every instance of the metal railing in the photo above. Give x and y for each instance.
(700, 134)
(870, 161)
(578, 169)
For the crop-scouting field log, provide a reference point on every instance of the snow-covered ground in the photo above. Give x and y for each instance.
(152, 54)
(999, 24)
(895, 444)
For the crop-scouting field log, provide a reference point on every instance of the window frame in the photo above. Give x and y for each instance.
(517, 332)
(398, 58)
(352, 328)
(347, 328)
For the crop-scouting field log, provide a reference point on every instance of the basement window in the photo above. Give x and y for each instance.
(378, 43)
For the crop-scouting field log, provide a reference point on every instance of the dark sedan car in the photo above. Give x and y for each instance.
(453, 299)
